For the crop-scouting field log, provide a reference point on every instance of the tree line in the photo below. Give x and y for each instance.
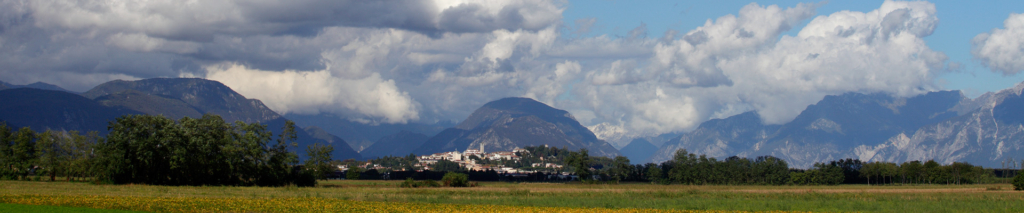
(147, 149)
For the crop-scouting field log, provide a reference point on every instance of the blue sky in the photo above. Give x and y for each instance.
(959, 22)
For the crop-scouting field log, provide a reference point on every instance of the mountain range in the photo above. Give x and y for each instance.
(175, 98)
(945, 126)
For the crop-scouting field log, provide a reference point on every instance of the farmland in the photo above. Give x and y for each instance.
(529, 197)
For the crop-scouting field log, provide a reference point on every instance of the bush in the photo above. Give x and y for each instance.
(1018, 182)
(455, 179)
(409, 183)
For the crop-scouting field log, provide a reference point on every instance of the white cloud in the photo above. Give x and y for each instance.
(1002, 49)
(366, 98)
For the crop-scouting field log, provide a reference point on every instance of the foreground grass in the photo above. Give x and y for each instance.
(21, 208)
(564, 197)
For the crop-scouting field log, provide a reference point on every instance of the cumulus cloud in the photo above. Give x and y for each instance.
(424, 61)
(365, 98)
(1002, 49)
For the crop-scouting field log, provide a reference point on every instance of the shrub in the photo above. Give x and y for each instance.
(1018, 182)
(455, 179)
(409, 183)
(430, 183)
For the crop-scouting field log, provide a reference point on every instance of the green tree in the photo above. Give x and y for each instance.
(353, 172)
(1018, 182)
(80, 161)
(23, 152)
(580, 162)
(50, 146)
(7, 170)
(654, 173)
(319, 161)
(773, 170)
(932, 171)
(621, 168)
(455, 179)
(278, 167)
(911, 171)
(447, 166)
(684, 169)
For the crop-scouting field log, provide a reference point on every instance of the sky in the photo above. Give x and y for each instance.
(622, 68)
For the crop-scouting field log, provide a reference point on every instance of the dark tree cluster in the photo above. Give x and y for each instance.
(25, 154)
(206, 151)
(148, 149)
(689, 168)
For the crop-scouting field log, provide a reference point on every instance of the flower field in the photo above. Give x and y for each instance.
(184, 204)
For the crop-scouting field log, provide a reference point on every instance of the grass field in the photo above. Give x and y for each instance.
(529, 197)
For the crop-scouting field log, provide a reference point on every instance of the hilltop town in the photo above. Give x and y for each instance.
(519, 160)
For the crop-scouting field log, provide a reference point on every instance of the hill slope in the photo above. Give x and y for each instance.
(48, 109)
(508, 123)
(205, 96)
(192, 97)
(400, 144)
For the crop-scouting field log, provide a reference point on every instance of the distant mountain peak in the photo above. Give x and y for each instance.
(517, 122)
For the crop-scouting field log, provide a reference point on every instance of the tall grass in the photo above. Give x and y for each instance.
(845, 198)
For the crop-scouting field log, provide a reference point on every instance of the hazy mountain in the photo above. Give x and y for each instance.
(986, 136)
(737, 135)
(508, 123)
(57, 110)
(36, 85)
(638, 151)
(400, 144)
(362, 135)
(193, 97)
(340, 146)
(825, 131)
(619, 137)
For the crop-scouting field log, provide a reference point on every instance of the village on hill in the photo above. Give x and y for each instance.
(517, 161)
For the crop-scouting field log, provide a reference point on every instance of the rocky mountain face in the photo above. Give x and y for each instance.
(49, 109)
(828, 130)
(400, 144)
(508, 123)
(738, 135)
(638, 151)
(986, 136)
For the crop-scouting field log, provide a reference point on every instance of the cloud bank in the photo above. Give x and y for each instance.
(426, 61)
(1002, 49)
